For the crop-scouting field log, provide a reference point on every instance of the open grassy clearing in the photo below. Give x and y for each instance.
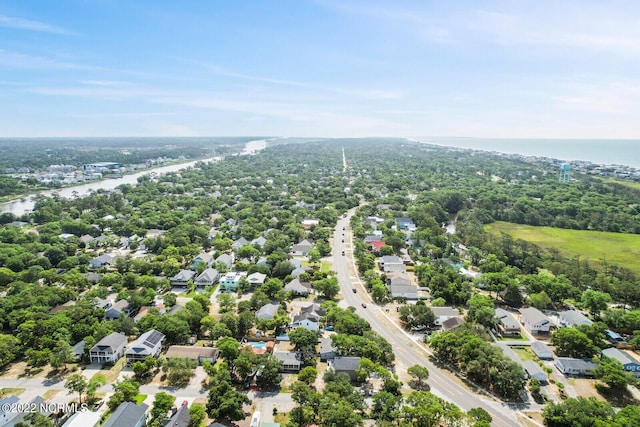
(630, 184)
(596, 246)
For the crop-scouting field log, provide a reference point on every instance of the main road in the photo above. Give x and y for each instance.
(408, 352)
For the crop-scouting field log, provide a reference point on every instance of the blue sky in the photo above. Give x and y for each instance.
(528, 69)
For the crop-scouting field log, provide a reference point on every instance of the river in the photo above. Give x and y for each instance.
(19, 207)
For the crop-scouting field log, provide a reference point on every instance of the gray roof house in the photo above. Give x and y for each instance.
(572, 318)
(179, 418)
(182, 278)
(542, 350)
(290, 360)
(78, 350)
(202, 257)
(208, 277)
(268, 311)
(128, 414)
(534, 320)
(348, 364)
(148, 344)
(533, 370)
(226, 259)
(309, 321)
(397, 278)
(108, 349)
(409, 292)
(452, 323)
(239, 243)
(392, 263)
(296, 287)
(5, 405)
(195, 353)
(327, 350)
(302, 248)
(101, 261)
(444, 313)
(117, 309)
(629, 363)
(259, 241)
(256, 279)
(571, 366)
(507, 323)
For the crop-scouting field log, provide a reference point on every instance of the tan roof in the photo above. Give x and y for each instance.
(191, 352)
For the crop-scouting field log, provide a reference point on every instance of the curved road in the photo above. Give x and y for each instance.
(407, 351)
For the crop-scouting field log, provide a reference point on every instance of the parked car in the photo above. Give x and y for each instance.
(354, 290)
(364, 305)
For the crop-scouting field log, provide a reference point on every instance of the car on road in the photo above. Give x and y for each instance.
(342, 240)
(342, 253)
(353, 290)
(364, 305)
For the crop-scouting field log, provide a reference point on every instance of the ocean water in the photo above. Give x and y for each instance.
(615, 151)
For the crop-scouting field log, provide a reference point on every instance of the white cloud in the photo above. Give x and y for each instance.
(29, 25)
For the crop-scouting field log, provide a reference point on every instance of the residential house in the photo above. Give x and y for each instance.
(208, 277)
(397, 278)
(298, 271)
(109, 349)
(315, 309)
(128, 414)
(290, 360)
(37, 404)
(535, 321)
(408, 292)
(629, 363)
(392, 263)
(86, 239)
(296, 287)
(348, 365)
(226, 260)
(507, 323)
(452, 323)
(302, 248)
(542, 350)
(305, 320)
(6, 415)
(102, 303)
(614, 337)
(117, 309)
(144, 310)
(230, 281)
(78, 350)
(533, 370)
(148, 344)
(175, 309)
(405, 223)
(259, 241)
(327, 350)
(572, 318)
(182, 278)
(310, 222)
(179, 417)
(101, 261)
(256, 279)
(376, 245)
(571, 366)
(204, 257)
(195, 353)
(444, 313)
(84, 419)
(93, 277)
(373, 221)
(239, 243)
(268, 311)
(373, 238)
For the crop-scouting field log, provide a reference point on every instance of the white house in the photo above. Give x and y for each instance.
(208, 277)
(309, 321)
(256, 279)
(507, 323)
(571, 366)
(148, 344)
(108, 349)
(302, 248)
(534, 320)
(392, 263)
(572, 318)
(182, 278)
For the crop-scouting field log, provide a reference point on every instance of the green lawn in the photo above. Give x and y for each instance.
(596, 246)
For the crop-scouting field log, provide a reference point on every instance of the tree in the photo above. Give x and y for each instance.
(93, 385)
(595, 301)
(229, 348)
(611, 372)
(419, 374)
(9, 349)
(328, 287)
(540, 300)
(338, 413)
(581, 412)
(224, 401)
(197, 414)
(124, 391)
(61, 354)
(414, 315)
(301, 338)
(270, 367)
(162, 404)
(479, 414)
(76, 383)
(571, 342)
(314, 256)
(308, 374)
(226, 302)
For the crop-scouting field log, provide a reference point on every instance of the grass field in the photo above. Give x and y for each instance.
(596, 246)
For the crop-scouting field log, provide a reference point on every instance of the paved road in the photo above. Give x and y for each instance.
(407, 351)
